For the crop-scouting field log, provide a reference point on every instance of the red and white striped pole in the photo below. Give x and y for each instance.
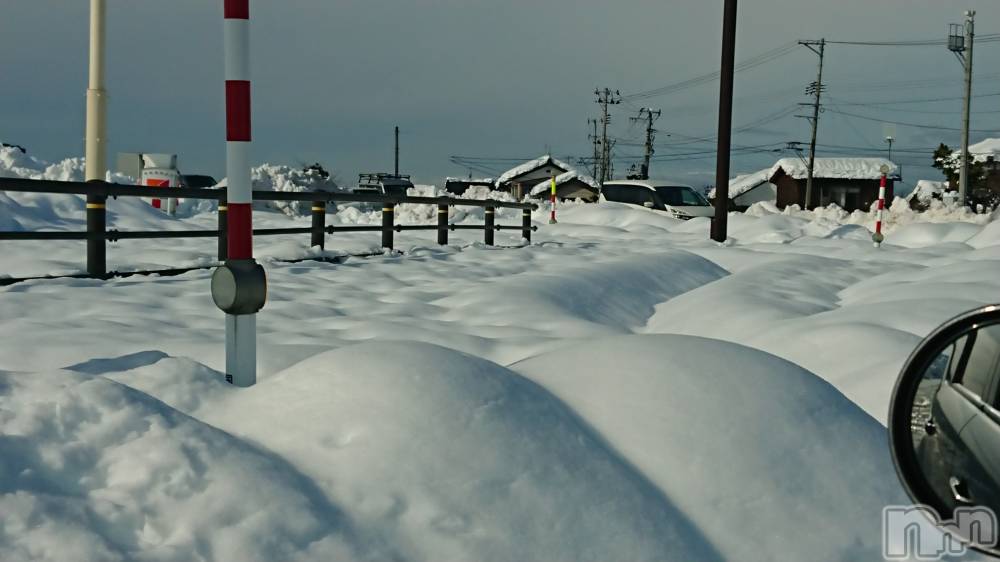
(552, 216)
(878, 237)
(239, 287)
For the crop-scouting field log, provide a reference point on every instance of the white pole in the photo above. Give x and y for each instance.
(97, 103)
(241, 330)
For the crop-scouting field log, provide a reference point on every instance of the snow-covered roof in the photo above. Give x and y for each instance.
(981, 151)
(744, 183)
(837, 168)
(532, 165)
(546, 185)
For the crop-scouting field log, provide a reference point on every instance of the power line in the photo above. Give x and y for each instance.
(747, 64)
(988, 38)
(906, 124)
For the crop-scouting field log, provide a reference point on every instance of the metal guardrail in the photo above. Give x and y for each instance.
(97, 233)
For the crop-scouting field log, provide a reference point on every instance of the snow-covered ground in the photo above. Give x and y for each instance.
(622, 389)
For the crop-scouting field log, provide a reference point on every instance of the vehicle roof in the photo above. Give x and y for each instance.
(650, 183)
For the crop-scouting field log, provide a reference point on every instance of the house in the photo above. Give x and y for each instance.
(569, 185)
(851, 183)
(457, 186)
(521, 179)
(748, 189)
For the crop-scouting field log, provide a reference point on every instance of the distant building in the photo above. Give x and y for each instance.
(569, 185)
(851, 183)
(519, 180)
(748, 189)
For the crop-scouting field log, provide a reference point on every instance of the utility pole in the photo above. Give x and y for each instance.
(719, 230)
(815, 89)
(397, 152)
(96, 139)
(890, 140)
(650, 117)
(596, 141)
(97, 102)
(962, 47)
(605, 98)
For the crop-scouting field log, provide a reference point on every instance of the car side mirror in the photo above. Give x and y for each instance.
(648, 204)
(944, 428)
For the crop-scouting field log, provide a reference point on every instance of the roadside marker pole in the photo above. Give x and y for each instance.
(97, 141)
(878, 237)
(239, 287)
(552, 217)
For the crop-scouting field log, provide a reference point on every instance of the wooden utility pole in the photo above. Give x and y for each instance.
(719, 226)
(397, 152)
(596, 141)
(605, 98)
(649, 116)
(816, 90)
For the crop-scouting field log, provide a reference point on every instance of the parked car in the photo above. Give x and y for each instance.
(676, 199)
(944, 425)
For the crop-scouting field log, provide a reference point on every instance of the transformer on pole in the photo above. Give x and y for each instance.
(239, 287)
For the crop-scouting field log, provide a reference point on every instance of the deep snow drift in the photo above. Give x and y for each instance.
(469, 402)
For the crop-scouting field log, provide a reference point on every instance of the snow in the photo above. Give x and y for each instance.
(744, 183)
(531, 165)
(926, 190)
(980, 151)
(546, 185)
(622, 389)
(836, 168)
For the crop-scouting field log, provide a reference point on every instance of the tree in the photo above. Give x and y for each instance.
(949, 162)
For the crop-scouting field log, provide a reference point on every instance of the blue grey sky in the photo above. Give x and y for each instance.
(486, 79)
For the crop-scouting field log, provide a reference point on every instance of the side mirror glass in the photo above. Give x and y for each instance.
(648, 204)
(944, 428)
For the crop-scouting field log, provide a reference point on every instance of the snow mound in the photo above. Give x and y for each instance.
(452, 457)
(93, 470)
(749, 445)
(269, 177)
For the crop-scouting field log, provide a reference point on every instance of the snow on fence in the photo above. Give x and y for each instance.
(97, 233)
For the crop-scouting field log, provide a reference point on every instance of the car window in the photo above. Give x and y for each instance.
(614, 193)
(979, 367)
(643, 195)
(680, 196)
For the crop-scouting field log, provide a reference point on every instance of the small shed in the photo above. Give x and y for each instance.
(520, 179)
(570, 185)
(747, 189)
(851, 183)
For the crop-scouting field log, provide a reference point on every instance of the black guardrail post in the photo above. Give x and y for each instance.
(443, 224)
(388, 215)
(319, 223)
(526, 225)
(97, 223)
(489, 228)
(223, 229)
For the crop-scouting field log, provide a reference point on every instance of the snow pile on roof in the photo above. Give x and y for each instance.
(981, 151)
(546, 185)
(744, 183)
(450, 179)
(531, 165)
(837, 168)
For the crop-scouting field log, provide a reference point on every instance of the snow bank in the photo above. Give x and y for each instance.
(762, 454)
(93, 470)
(445, 456)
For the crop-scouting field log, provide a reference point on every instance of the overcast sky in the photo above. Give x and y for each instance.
(483, 78)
